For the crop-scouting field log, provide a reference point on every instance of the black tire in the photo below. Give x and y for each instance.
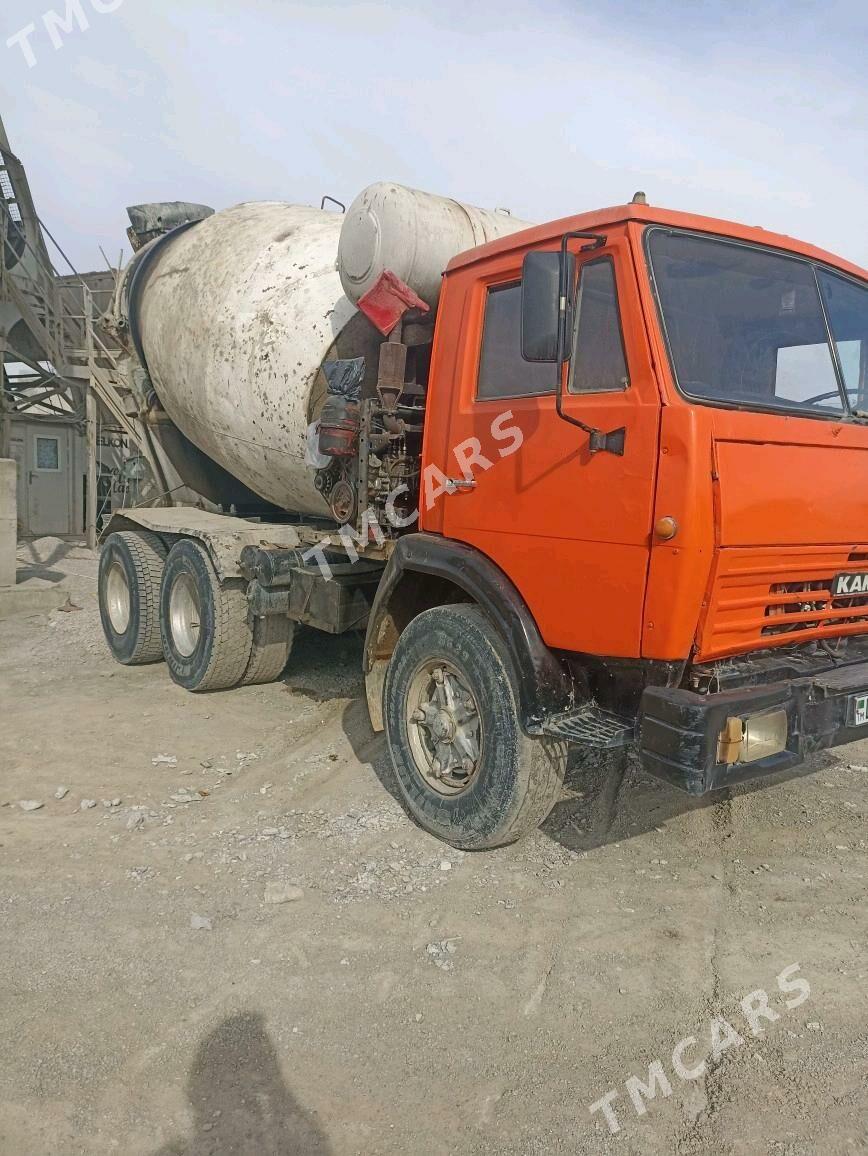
(134, 559)
(216, 650)
(518, 777)
(272, 644)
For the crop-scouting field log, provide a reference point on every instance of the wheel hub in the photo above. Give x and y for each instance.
(184, 615)
(444, 727)
(117, 598)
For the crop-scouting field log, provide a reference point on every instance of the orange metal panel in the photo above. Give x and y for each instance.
(641, 215)
(765, 597)
(679, 571)
(571, 529)
(585, 596)
(773, 494)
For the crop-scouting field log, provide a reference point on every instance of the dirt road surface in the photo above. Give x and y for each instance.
(245, 946)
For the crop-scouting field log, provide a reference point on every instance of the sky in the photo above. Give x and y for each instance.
(756, 112)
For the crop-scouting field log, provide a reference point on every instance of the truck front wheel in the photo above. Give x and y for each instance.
(466, 769)
(207, 638)
(130, 570)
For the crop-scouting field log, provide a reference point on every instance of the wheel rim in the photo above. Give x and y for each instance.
(117, 598)
(444, 727)
(184, 615)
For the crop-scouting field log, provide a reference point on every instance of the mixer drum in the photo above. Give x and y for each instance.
(234, 316)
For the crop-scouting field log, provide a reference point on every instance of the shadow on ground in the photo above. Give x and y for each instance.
(240, 1103)
(43, 553)
(609, 798)
(606, 798)
(43, 558)
(35, 570)
(323, 667)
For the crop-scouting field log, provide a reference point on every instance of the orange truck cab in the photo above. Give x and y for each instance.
(646, 456)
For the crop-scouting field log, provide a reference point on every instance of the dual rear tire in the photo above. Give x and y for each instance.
(130, 570)
(207, 639)
(157, 603)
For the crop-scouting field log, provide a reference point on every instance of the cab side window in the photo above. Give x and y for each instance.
(503, 372)
(598, 364)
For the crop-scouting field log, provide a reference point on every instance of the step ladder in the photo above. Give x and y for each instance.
(591, 726)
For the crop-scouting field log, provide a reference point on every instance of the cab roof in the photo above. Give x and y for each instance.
(600, 219)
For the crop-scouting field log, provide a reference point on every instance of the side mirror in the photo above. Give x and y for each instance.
(540, 303)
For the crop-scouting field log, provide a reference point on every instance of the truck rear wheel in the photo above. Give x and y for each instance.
(272, 643)
(207, 638)
(467, 771)
(130, 571)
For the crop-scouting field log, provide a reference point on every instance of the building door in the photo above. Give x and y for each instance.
(48, 482)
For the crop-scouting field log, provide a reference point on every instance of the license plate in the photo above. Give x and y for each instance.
(858, 709)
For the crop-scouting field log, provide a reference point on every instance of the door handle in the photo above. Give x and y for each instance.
(455, 485)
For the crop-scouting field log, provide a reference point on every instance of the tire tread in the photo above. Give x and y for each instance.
(232, 639)
(273, 637)
(148, 554)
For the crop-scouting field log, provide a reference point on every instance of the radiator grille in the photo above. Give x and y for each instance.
(762, 598)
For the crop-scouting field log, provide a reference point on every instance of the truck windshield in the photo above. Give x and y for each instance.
(748, 327)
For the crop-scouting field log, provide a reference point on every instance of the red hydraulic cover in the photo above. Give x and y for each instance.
(388, 299)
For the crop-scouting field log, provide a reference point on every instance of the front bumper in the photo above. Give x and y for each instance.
(679, 730)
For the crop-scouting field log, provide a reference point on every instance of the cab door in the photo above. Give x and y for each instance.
(571, 528)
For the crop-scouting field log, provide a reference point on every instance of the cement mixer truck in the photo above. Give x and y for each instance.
(598, 482)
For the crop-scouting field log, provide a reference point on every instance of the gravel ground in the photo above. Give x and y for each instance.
(221, 933)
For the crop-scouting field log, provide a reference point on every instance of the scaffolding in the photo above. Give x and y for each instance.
(56, 362)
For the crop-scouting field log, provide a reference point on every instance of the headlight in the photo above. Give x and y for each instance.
(756, 737)
(764, 735)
